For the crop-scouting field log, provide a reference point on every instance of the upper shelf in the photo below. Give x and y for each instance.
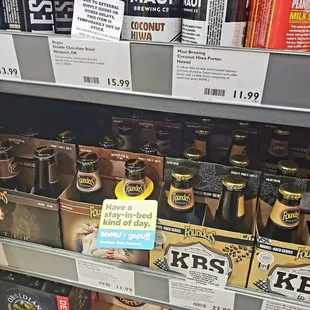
(285, 98)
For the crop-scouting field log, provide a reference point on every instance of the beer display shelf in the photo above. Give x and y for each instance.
(60, 266)
(285, 98)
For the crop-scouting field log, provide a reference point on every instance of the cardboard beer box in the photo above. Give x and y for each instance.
(280, 267)
(80, 220)
(30, 217)
(184, 248)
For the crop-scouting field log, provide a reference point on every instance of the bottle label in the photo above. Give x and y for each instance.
(181, 199)
(241, 209)
(201, 146)
(285, 216)
(125, 142)
(238, 150)
(133, 188)
(88, 182)
(8, 169)
(278, 148)
(53, 173)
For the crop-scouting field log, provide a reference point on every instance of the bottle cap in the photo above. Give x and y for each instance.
(30, 132)
(44, 152)
(291, 191)
(287, 167)
(192, 153)
(244, 124)
(206, 120)
(125, 127)
(136, 114)
(239, 160)
(66, 136)
(108, 142)
(240, 135)
(282, 130)
(234, 182)
(182, 173)
(148, 147)
(202, 130)
(87, 158)
(163, 131)
(5, 146)
(134, 165)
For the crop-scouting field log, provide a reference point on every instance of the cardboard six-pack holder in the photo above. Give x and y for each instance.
(27, 216)
(180, 247)
(80, 220)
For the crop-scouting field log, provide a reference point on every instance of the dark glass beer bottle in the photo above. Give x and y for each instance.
(278, 146)
(283, 220)
(202, 134)
(163, 140)
(149, 148)
(230, 211)
(46, 180)
(287, 168)
(193, 153)
(67, 136)
(239, 160)
(181, 202)
(108, 142)
(88, 181)
(238, 143)
(125, 140)
(8, 167)
(134, 181)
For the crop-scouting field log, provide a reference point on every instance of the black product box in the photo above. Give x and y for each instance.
(25, 15)
(23, 292)
(63, 16)
(30, 217)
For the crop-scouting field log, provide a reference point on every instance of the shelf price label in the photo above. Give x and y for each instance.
(275, 305)
(92, 64)
(9, 68)
(219, 75)
(105, 277)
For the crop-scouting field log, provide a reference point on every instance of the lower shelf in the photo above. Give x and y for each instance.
(151, 286)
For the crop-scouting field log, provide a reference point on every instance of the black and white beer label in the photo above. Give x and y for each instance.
(152, 20)
(215, 22)
(63, 16)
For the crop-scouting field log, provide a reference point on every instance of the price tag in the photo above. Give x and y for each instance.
(219, 75)
(129, 224)
(274, 305)
(91, 63)
(106, 277)
(196, 296)
(9, 68)
(3, 260)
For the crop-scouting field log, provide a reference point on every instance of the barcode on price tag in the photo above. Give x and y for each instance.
(105, 276)
(219, 75)
(91, 79)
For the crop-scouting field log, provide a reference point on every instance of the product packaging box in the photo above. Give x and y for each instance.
(80, 221)
(144, 129)
(30, 217)
(180, 247)
(23, 292)
(280, 267)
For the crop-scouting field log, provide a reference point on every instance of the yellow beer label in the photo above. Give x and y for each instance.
(284, 216)
(181, 199)
(238, 150)
(241, 209)
(201, 146)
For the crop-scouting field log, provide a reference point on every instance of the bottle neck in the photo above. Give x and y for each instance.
(46, 173)
(88, 182)
(231, 205)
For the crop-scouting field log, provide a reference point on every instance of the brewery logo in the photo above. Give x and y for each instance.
(13, 168)
(86, 181)
(302, 253)
(292, 281)
(204, 233)
(134, 189)
(181, 199)
(4, 197)
(94, 211)
(182, 257)
(290, 217)
(23, 301)
(130, 302)
(279, 148)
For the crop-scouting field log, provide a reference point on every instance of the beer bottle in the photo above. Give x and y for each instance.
(163, 140)
(202, 134)
(193, 153)
(149, 148)
(287, 168)
(88, 181)
(46, 180)
(230, 211)
(239, 160)
(8, 167)
(181, 203)
(283, 220)
(108, 142)
(125, 131)
(134, 181)
(238, 143)
(278, 146)
(66, 136)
